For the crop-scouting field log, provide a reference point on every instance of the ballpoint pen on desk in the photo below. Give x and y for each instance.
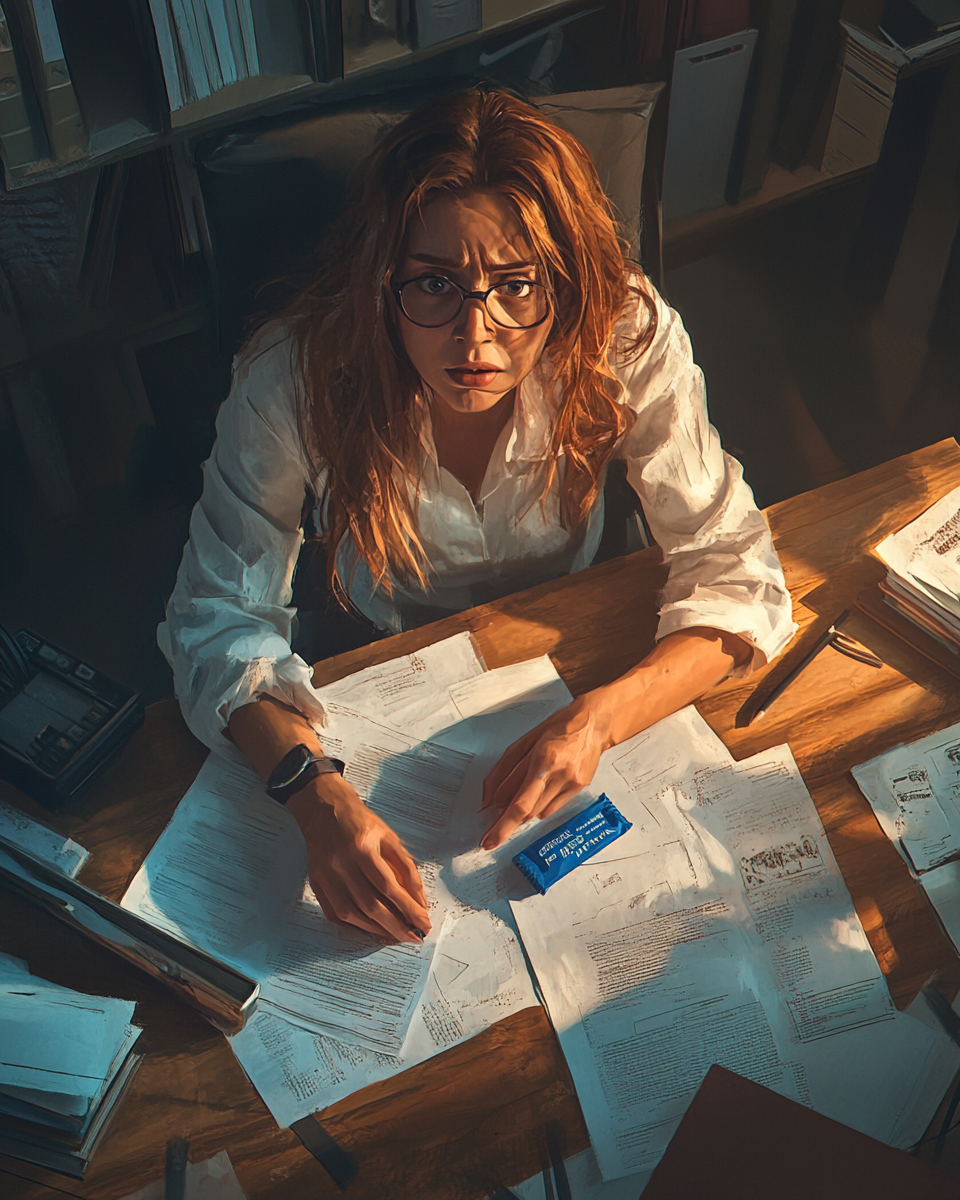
(830, 637)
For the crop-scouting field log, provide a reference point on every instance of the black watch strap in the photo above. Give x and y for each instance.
(295, 770)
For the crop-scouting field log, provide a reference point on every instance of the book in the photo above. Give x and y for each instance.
(168, 50)
(58, 101)
(808, 75)
(17, 143)
(706, 95)
(774, 20)
(96, 271)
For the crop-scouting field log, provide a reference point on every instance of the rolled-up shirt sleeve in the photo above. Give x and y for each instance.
(228, 622)
(723, 570)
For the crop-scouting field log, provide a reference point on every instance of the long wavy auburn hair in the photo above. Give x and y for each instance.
(363, 405)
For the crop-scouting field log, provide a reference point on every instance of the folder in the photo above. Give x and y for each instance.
(706, 96)
(738, 1138)
(17, 142)
(58, 100)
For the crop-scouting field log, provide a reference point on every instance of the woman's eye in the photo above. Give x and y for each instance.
(433, 285)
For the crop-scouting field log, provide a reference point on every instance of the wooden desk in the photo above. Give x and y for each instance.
(473, 1118)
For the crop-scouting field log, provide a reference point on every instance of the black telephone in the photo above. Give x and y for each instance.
(61, 720)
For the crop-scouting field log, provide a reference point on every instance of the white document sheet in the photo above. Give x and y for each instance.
(901, 1073)
(214, 1179)
(717, 930)
(228, 875)
(50, 847)
(585, 1182)
(478, 975)
(411, 693)
(762, 831)
(915, 793)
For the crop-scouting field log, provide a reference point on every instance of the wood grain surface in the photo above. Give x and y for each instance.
(475, 1116)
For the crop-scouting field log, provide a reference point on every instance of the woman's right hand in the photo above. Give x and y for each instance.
(359, 869)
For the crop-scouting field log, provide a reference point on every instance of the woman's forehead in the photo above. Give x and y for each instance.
(458, 228)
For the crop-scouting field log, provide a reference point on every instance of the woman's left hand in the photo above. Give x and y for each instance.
(545, 768)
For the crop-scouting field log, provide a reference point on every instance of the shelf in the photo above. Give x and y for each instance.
(260, 96)
(688, 238)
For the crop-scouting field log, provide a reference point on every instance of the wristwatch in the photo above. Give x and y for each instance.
(295, 770)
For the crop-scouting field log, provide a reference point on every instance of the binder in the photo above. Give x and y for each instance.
(16, 133)
(761, 106)
(705, 100)
(221, 994)
(58, 100)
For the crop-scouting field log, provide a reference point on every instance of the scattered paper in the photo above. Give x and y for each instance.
(717, 930)
(214, 1179)
(478, 974)
(228, 875)
(915, 793)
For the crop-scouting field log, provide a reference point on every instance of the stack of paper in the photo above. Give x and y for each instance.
(915, 793)
(66, 1060)
(923, 571)
(865, 94)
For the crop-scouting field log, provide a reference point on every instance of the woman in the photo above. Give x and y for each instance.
(449, 390)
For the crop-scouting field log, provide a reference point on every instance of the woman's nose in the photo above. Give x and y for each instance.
(473, 323)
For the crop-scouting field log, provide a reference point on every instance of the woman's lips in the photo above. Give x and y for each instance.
(473, 375)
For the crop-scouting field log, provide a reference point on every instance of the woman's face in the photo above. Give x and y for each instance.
(475, 240)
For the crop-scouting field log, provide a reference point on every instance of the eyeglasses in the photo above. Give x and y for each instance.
(431, 301)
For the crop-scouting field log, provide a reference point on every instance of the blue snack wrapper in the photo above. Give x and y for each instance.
(551, 857)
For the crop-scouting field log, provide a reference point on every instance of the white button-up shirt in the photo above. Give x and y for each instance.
(229, 621)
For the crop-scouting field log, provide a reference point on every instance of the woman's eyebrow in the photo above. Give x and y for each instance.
(433, 261)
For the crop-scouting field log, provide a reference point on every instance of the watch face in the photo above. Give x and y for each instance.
(289, 766)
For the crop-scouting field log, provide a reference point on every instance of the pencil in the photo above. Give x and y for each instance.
(821, 643)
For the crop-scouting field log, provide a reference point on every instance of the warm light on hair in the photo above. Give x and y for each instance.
(363, 407)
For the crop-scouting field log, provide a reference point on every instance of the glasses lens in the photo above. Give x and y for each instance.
(518, 303)
(430, 301)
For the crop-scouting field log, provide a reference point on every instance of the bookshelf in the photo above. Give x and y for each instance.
(140, 76)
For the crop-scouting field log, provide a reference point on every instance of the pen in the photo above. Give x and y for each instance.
(175, 1176)
(825, 639)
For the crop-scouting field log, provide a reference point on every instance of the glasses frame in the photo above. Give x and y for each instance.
(397, 289)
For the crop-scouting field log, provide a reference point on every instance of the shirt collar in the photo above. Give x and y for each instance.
(529, 427)
(530, 437)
